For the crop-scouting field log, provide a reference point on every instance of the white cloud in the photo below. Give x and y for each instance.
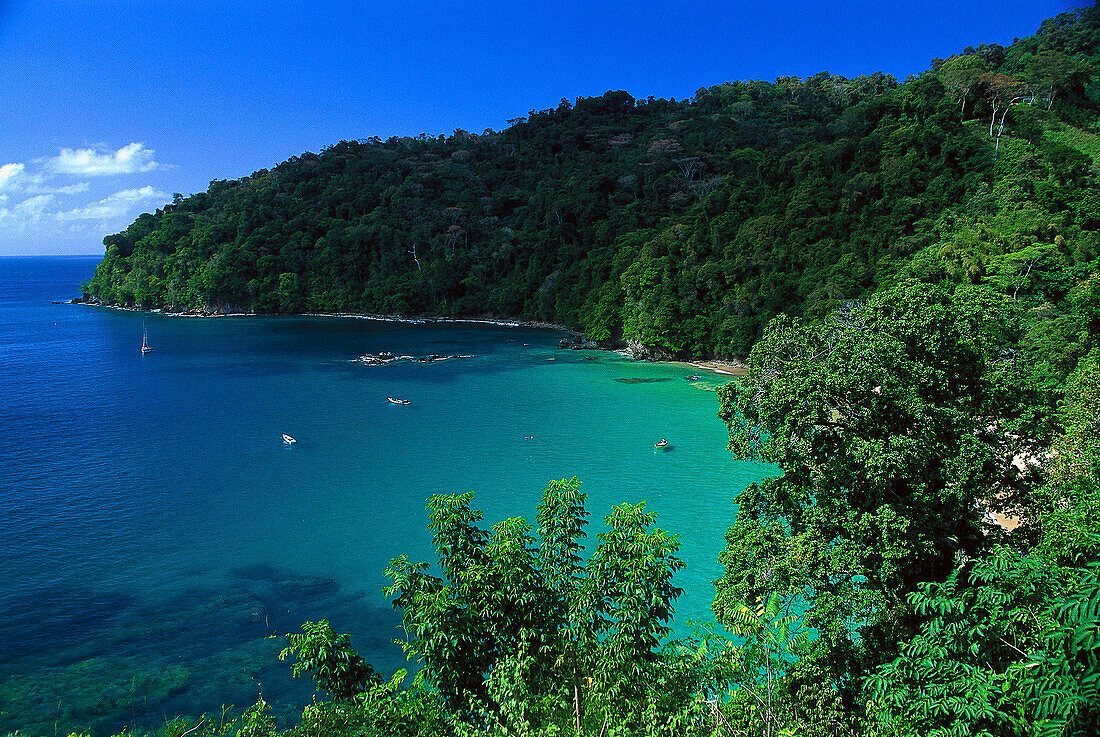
(34, 207)
(115, 205)
(26, 212)
(71, 189)
(11, 176)
(87, 162)
(15, 178)
(54, 199)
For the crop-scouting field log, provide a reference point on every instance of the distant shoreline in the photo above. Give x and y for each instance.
(499, 322)
(726, 368)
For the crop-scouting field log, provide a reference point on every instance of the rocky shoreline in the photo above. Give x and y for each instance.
(229, 311)
(574, 340)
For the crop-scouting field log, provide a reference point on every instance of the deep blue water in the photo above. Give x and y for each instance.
(155, 529)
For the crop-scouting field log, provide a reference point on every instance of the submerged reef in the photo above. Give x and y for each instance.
(97, 662)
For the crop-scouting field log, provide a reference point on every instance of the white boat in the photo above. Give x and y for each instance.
(398, 401)
(288, 440)
(660, 443)
(145, 347)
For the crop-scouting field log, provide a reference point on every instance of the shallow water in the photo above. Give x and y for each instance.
(156, 529)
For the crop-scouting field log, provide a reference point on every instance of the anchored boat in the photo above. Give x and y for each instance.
(145, 347)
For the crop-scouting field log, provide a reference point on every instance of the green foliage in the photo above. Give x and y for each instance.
(894, 423)
(897, 423)
(257, 721)
(1077, 453)
(382, 708)
(518, 633)
(1071, 527)
(680, 226)
(1008, 649)
(329, 660)
(1064, 686)
(961, 675)
(768, 650)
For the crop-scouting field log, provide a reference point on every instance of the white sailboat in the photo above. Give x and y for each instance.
(145, 347)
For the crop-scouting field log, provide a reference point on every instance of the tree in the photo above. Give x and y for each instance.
(960, 74)
(631, 589)
(561, 520)
(894, 423)
(1071, 527)
(517, 632)
(329, 660)
(1048, 70)
(764, 660)
(1000, 91)
(1007, 650)
(1011, 644)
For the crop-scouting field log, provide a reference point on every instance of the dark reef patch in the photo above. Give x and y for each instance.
(57, 618)
(99, 661)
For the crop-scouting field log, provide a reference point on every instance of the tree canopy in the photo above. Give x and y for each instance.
(682, 226)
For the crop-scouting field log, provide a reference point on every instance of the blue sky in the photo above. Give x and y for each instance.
(110, 107)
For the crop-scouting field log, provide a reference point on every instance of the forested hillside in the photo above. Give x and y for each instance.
(682, 225)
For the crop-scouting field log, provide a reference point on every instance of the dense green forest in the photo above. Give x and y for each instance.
(684, 226)
(910, 271)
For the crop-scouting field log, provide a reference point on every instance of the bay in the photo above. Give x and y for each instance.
(157, 531)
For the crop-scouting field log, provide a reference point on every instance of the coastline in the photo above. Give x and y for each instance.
(499, 322)
(726, 368)
(717, 366)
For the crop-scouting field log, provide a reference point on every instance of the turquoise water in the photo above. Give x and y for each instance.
(157, 530)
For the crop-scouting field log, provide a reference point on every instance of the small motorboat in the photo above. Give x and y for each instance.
(288, 439)
(660, 443)
(398, 401)
(693, 377)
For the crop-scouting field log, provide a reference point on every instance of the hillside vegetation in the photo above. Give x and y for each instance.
(684, 226)
(909, 269)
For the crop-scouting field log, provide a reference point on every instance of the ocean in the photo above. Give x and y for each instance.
(159, 537)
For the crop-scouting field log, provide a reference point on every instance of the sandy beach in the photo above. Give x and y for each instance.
(721, 367)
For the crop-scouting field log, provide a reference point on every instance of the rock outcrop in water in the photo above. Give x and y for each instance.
(385, 358)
